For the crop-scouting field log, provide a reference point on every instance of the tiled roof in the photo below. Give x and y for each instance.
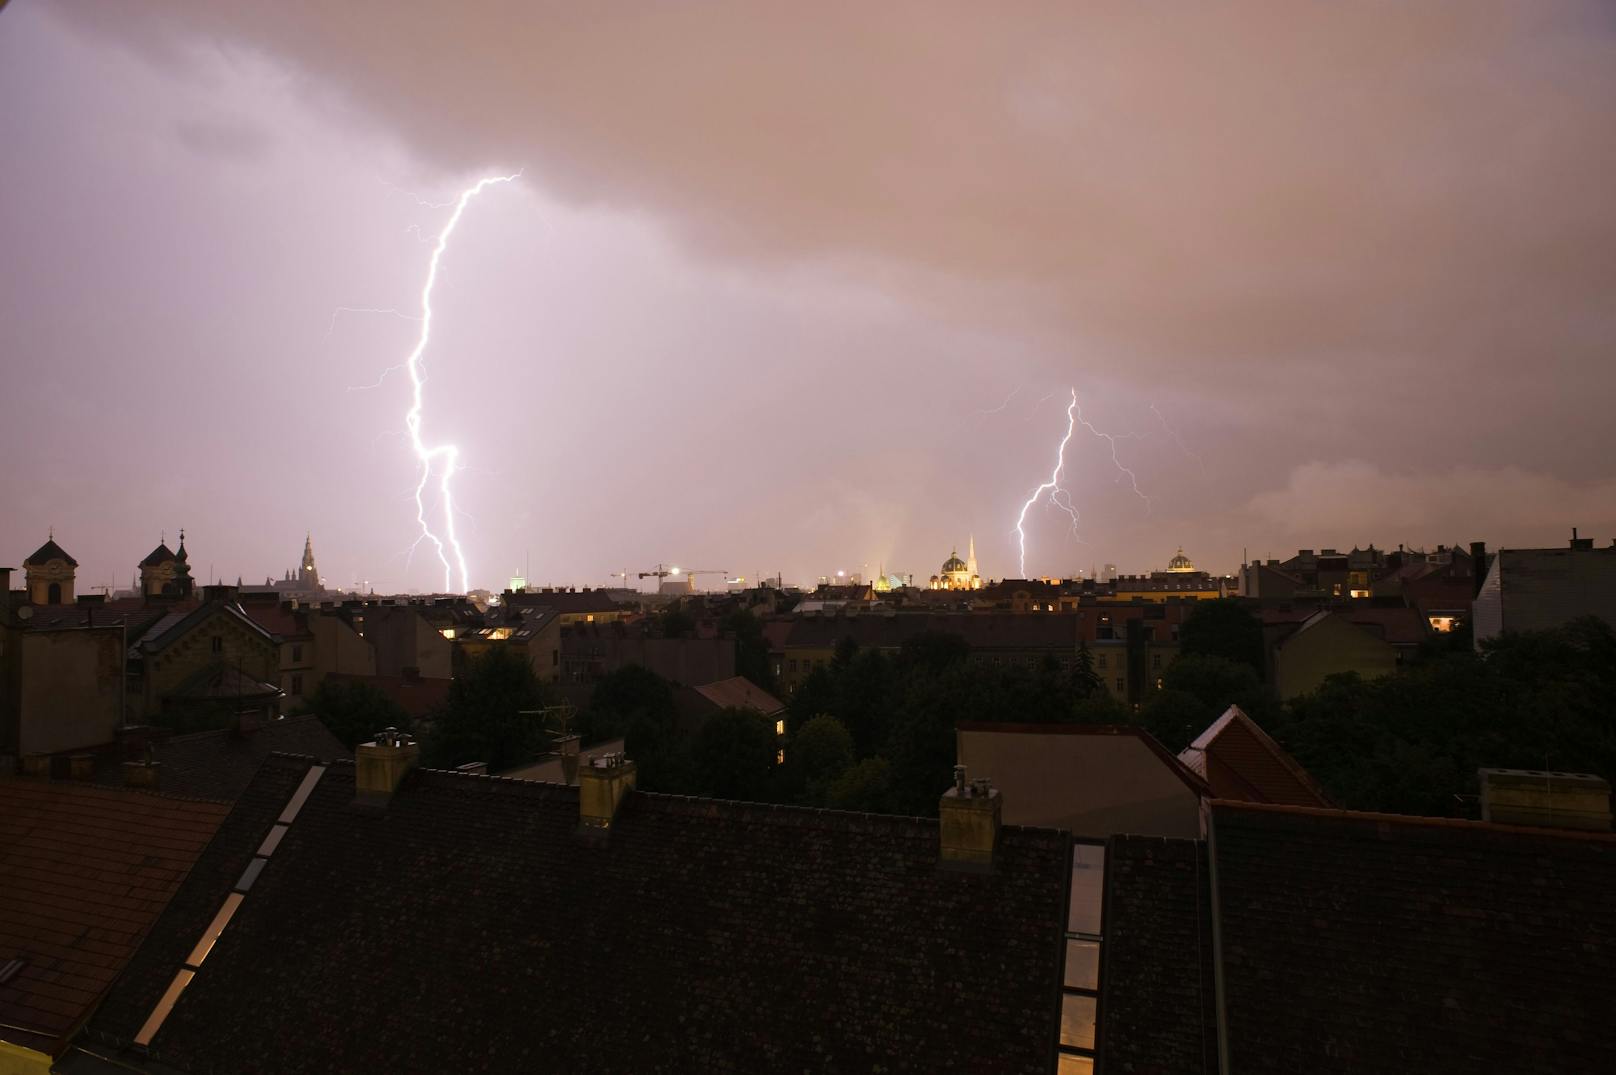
(162, 554)
(84, 871)
(48, 552)
(1359, 942)
(738, 692)
(222, 679)
(1240, 761)
(173, 627)
(1158, 1007)
(1365, 942)
(467, 928)
(220, 764)
(570, 602)
(276, 619)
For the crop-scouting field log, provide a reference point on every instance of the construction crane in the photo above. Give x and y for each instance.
(663, 571)
(624, 575)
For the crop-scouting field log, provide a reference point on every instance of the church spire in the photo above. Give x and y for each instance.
(970, 557)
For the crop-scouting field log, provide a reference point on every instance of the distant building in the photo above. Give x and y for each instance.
(1370, 642)
(166, 572)
(1539, 589)
(305, 582)
(957, 574)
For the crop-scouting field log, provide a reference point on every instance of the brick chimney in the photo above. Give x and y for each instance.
(602, 784)
(381, 764)
(968, 816)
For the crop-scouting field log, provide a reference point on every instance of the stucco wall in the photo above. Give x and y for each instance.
(72, 683)
(1332, 645)
(1089, 784)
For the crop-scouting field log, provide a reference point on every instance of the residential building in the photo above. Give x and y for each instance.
(1306, 644)
(1240, 761)
(1539, 589)
(206, 663)
(590, 651)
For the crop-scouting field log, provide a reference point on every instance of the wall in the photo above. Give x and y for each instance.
(15, 1060)
(403, 639)
(1331, 645)
(338, 648)
(1088, 783)
(72, 688)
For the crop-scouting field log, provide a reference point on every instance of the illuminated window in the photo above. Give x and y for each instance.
(589, 617)
(780, 727)
(499, 634)
(448, 632)
(1443, 624)
(779, 757)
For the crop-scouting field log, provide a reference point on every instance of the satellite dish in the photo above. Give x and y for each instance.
(24, 612)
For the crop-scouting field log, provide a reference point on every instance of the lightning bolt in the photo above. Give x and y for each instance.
(1052, 486)
(1111, 439)
(1173, 433)
(443, 459)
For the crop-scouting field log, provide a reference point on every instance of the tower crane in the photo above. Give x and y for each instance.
(663, 571)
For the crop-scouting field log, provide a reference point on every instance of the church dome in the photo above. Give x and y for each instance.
(953, 564)
(1180, 562)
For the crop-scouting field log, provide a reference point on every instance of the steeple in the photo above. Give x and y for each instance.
(970, 557)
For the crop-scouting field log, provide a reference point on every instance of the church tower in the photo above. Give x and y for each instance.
(970, 558)
(308, 576)
(50, 572)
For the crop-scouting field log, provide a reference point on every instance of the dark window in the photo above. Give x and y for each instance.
(297, 685)
(53, 594)
(297, 653)
(1155, 661)
(218, 644)
(1121, 684)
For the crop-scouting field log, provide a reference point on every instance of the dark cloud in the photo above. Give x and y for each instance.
(1377, 235)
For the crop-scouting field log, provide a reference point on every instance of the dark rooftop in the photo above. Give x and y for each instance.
(220, 764)
(48, 552)
(466, 927)
(1358, 942)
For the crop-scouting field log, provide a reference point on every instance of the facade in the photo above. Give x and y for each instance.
(1325, 644)
(1540, 589)
(166, 573)
(210, 662)
(1090, 780)
(590, 651)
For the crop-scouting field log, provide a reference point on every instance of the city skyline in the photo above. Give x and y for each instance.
(811, 329)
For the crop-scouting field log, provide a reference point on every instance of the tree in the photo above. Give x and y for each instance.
(622, 697)
(815, 757)
(354, 711)
(866, 787)
(1085, 680)
(483, 718)
(1223, 628)
(935, 650)
(734, 755)
(675, 622)
(751, 648)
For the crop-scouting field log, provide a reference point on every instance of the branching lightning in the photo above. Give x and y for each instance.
(1058, 495)
(442, 459)
(1052, 486)
(1173, 433)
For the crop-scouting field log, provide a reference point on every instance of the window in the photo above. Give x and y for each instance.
(1080, 981)
(1155, 662)
(218, 644)
(1099, 662)
(780, 726)
(297, 684)
(1122, 684)
(297, 652)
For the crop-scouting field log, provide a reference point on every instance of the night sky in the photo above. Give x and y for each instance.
(804, 287)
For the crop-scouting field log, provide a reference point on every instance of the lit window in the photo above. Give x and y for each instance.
(1080, 981)
(448, 632)
(780, 727)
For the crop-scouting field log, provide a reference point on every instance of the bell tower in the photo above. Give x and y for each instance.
(50, 572)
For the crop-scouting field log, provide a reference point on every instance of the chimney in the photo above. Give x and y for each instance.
(1544, 799)
(1478, 565)
(1580, 542)
(248, 721)
(567, 747)
(381, 764)
(142, 774)
(968, 816)
(602, 784)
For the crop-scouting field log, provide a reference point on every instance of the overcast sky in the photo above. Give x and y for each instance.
(804, 287)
